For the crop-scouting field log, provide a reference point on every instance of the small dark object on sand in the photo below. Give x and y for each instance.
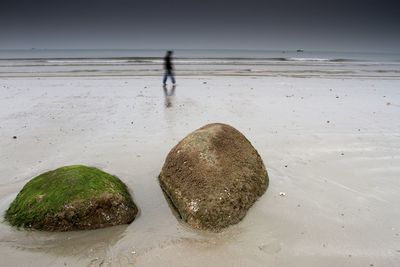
(14, 137)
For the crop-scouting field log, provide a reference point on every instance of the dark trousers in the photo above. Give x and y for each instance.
(170, 74)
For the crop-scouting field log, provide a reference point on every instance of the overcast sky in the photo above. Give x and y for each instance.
(349, 25)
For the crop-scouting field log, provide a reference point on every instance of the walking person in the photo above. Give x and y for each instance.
(169, 70)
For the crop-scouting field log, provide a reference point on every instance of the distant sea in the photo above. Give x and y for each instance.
(108, 62)
(275, 55)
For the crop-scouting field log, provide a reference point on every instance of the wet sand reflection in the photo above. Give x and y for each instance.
(169, 96)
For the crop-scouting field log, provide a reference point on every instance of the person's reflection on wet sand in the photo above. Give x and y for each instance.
(169, 95)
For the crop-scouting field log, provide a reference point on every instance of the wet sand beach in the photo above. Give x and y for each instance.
(331, 144)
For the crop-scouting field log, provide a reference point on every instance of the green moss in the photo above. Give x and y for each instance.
(50, 192)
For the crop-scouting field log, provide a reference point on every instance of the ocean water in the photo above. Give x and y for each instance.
(107, 62)
(193, 53)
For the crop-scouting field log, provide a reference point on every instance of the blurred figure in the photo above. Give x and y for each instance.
(168, 96)
(169, 70)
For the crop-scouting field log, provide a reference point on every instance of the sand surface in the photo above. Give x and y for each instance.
(331, 145)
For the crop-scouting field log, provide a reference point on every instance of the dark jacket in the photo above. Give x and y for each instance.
(168, 63)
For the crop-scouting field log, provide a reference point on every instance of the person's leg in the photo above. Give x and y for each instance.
(165, 77)
(172, 77)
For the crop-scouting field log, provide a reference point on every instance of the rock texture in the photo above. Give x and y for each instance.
(213, 176)
(72, 198)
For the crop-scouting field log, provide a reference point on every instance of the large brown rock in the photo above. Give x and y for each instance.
(213, 176)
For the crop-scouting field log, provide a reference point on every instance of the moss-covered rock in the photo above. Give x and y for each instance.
(72, 198)
(213, 176)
